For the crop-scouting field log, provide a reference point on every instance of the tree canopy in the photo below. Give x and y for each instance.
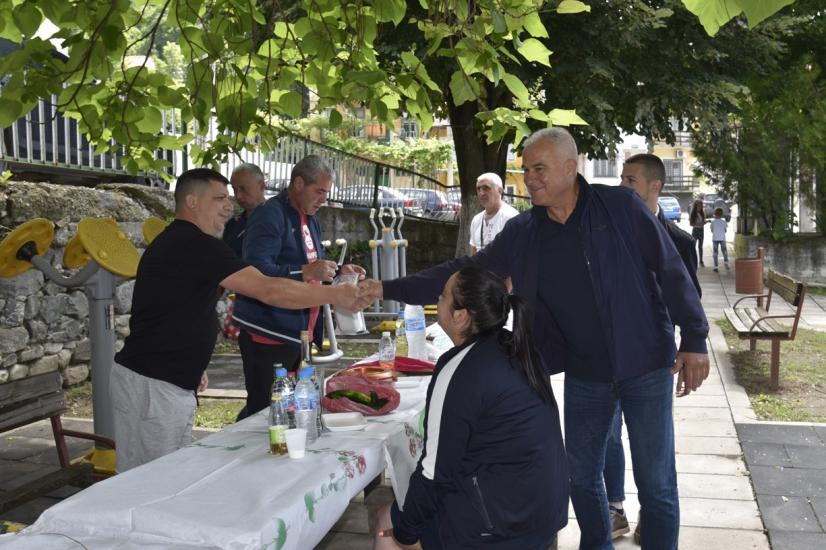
(249, 64)
(770, 146)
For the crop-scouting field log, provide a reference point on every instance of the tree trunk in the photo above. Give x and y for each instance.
(474, 157)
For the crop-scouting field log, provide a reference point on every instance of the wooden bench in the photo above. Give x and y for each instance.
(33, 399)
(756, 323)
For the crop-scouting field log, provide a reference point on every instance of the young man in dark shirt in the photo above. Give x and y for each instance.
(645, 174)
(173, 326)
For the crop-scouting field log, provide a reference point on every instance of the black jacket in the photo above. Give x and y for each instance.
(685, 247)
(493, 468)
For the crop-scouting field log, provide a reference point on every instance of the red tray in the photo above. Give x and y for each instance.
(406, 365)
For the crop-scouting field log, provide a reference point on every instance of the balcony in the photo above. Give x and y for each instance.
(680, 184)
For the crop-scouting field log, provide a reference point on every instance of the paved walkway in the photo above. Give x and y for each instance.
(719, 509)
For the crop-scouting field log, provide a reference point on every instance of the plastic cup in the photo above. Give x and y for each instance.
(296, 442)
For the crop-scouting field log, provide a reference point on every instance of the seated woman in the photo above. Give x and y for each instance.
(493, 472)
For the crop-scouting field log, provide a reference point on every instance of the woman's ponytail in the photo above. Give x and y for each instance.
(485, 296)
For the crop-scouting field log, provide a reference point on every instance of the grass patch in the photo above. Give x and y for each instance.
(217, 413)
(816, 290)
(211, 413)
(226, 346)
(79, 400)
(802, 393)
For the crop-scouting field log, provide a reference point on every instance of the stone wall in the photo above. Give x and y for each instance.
(43, 326)
(801, 256)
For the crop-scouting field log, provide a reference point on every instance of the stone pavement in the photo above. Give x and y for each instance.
(719, 509)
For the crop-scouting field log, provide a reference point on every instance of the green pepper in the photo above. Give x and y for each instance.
(373, 401)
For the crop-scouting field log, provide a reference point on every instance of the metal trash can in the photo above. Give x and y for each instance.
(748, 274)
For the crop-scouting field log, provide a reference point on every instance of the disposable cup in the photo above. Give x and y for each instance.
(296, 442)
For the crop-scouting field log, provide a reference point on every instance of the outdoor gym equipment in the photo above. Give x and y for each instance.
(388, 255)
(102, 252)
(335, 352)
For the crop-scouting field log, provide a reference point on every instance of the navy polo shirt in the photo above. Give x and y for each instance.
(566, 290)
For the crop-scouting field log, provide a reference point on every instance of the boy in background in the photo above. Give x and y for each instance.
(718, 236)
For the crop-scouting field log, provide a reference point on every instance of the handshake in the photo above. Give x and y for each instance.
(355, 297)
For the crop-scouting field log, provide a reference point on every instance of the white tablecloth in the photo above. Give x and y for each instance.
(226, 490)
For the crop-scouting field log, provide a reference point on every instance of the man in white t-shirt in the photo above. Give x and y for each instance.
(489, 222)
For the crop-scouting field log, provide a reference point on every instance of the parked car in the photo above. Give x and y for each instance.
(713, 201)
(362, 197)
(670, 207)
(430, 202)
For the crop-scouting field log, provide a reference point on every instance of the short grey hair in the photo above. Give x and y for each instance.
(560, 138)
(491, 177)
(251, 169)
(310, 168)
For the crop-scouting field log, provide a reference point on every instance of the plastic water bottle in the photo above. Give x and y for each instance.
(387, 351)
(314, 380)
(414, 326)
(401, 337)
(279, 423)
(306, 404)
(288, 397)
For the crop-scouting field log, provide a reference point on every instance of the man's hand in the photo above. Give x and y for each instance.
(204, 383)
(321, 270)
(372, 289)
(352, 268)
(349, 296)
(692, 368)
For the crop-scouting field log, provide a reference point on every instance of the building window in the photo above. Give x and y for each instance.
(409, 129)
(673, 169)
(605, 168)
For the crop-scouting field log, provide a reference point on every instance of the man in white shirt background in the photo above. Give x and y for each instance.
(490, 221)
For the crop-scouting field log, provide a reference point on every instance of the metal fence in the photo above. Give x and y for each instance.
(46, 142)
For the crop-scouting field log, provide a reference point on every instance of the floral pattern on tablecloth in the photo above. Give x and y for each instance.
(415, 441)
(280, 539)
(351, 461)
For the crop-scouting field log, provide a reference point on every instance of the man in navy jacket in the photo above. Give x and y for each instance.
(608, 286)
(283, 239)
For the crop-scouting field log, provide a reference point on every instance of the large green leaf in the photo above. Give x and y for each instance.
(572, 6)
(463, 88)
(291, 103)
(518, 89)
(534, 25)
(713, 14)
(27, 18)
(565, 117)
(150, 121)
(534, 50)
(390, 10)
(10, 110)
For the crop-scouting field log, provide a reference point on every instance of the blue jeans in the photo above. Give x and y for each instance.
(614, 471)
(590, 410)
(719, 245)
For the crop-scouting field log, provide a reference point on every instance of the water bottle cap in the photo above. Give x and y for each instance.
(306, 373)
(385, 333)
(281, 372)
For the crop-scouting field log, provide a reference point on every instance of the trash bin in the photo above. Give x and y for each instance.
(748, 274)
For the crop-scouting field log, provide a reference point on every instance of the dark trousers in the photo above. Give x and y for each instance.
(698, 233)
(259, 360)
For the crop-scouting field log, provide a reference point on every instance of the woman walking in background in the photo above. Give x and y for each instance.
(697, 219)
(493, 473)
